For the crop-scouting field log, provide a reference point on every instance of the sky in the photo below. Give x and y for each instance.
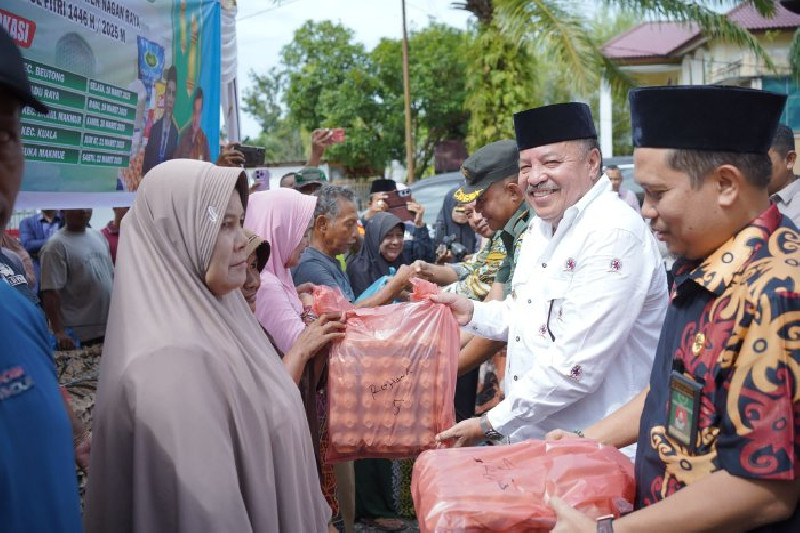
(262, 28)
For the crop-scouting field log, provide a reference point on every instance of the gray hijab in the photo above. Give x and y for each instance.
(197, 427)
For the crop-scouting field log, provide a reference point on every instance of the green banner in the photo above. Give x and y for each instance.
(51, 154)
(107, 125)
(60, 117)
(56, 96)
(113, 74)
(103, 159)
(109, 109)
(112, 93)
(49, 134)
(55, 76)
(90, 140)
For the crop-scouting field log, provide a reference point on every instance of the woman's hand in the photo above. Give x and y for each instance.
(418, 210)
(311, 342)
(324, 330)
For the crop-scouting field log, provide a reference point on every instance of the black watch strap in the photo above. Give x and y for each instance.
(605, 524)
(488, 431)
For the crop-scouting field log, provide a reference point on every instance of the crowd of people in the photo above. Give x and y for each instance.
(668, 330)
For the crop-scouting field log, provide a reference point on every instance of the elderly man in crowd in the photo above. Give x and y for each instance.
(718, 426)
(784, 187)
(37, 472)
(588, 296)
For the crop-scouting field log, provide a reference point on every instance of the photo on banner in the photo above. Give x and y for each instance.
(130, 84)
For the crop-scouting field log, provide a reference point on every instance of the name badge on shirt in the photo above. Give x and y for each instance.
(684, 410)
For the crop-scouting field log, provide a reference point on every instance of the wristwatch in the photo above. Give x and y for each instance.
(488, 431)
(604, 524)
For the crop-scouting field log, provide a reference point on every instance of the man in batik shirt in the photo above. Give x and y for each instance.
(719, 426)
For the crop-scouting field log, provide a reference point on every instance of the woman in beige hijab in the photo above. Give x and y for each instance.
(198, 427)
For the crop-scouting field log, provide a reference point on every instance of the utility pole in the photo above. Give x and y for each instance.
(407, 99)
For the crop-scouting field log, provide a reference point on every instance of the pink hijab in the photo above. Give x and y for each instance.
(281, 217)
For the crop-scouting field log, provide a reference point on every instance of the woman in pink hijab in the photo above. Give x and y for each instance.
(282, 218)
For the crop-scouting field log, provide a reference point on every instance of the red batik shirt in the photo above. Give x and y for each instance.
(734, 323)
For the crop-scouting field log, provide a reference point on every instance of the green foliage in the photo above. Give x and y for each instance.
(437, 71)
(500, 81)
(327, 80)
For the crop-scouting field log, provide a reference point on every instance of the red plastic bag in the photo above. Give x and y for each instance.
(506, 488)
(391, 380)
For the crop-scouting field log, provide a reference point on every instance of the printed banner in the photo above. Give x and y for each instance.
(129, 85)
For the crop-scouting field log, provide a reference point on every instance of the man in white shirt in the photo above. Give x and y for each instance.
(588, 296)
(784, 187)
(629, 197)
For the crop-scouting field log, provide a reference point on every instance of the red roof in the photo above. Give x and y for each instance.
(662, 39)
(650, 39)
(747, 17)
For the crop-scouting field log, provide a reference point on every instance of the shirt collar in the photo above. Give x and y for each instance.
(520, 214)
(787, 194)
(314, 251)
(717, 270)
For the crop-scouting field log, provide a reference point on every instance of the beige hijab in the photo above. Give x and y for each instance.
(198, 427)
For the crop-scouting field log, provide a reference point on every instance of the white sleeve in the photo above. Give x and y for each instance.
(490, 319)
(604, 299)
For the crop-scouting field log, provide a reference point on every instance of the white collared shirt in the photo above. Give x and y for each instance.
(583, 320)
(788, 201)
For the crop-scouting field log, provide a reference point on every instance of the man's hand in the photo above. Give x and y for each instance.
(402, 277)
(560, 434)
(461, 306)
(377, 205)
(64, 341)
(466, 433)
(321, 139)
(418, 210)
(568, 520)
(229, 156)
(443, 255)
(423, 270)
(438, 274)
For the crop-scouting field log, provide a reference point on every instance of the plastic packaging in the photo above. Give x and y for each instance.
(392, 378)
(506, 488)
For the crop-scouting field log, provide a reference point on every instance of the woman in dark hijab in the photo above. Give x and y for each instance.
(382, 249)
(446, 226)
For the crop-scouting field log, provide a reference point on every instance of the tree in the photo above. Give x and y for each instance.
(325, 79)
(534, 52)
(437, 73)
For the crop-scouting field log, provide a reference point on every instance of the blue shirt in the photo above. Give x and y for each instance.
(320, 269)
(38, 487)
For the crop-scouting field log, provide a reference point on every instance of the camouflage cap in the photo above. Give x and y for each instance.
(309, 175)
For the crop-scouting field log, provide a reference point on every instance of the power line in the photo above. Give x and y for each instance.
(267, 10)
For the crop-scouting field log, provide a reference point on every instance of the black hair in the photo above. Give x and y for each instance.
(756, 168)
(783, 141)
(172, 75)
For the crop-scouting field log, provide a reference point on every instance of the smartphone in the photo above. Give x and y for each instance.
(397, 204)
(253, 156)
(337, 135)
